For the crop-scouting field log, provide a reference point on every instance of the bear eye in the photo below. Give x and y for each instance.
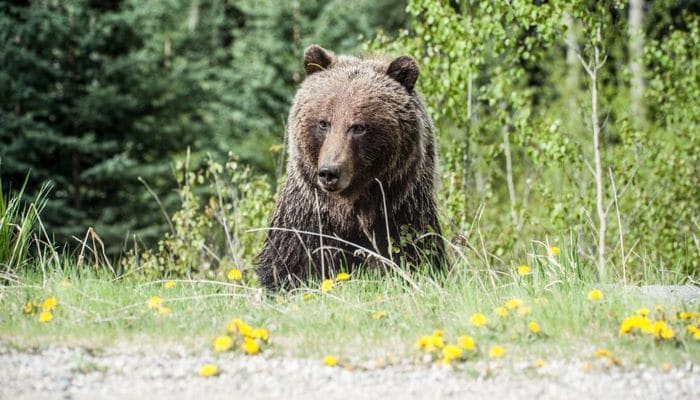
(323, 125)
(359, 129)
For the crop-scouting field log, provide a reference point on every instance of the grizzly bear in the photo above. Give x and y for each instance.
(361, 175)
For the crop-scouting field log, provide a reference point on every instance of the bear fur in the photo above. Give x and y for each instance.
(360, 142)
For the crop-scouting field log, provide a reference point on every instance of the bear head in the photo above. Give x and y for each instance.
(354, 120)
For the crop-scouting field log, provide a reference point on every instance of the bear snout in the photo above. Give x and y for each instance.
(329, 177)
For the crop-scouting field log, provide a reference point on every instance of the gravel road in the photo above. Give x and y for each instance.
(126, 371)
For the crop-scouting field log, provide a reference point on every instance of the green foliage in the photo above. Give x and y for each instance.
(513, 121)
(210, 233)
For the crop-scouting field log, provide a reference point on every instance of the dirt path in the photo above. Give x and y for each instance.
(125, 371)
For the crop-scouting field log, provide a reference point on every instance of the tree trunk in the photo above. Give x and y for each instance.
(636, 48)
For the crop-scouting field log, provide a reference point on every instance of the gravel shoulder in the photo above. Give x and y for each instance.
(125, 371)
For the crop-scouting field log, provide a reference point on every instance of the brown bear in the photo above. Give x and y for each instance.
(361, 176)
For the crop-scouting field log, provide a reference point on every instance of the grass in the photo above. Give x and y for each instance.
(96, 310)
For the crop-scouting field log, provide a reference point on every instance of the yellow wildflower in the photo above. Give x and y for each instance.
(534, 327)
(250, 346)
(662, 331)
(307, 296)
(595, 295)
(330, 361)
(451, 353)
(422, 342)
(501, 311)
(169, 284)
(523, 270)
(684, 315)
(496, 352)
(154, 302)
(326, 285)
(603, 353)
(49, 304)
(429, 343)
(466, 342)
(240, 327)
(643, 312)
(478, 320)
(538, 363)
(696, 335)
(162, 310)
(513, 304)
(526, 310)
(439, 333)
(343, 276)
(234, 274)
(260, 333)
(379, 315)
(554, 251)
(208, 370)
(45, 316)
(222, 343)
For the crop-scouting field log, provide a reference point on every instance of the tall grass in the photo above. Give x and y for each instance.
(18, 223)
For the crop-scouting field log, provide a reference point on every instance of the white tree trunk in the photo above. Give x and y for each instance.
(636, 48)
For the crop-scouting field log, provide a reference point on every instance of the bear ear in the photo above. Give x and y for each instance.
(316, 59)
(405, 71)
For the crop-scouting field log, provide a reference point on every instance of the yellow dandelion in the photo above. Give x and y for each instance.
(234, 274)
(497, 352)
(554, 251)
(45, 316)
(478, 320)
(603, 353)
(595, 295)
(154, 302)
(538, 363)
(525, 310)
(661, 331)
(250, 346)
(439, 333)
(523, 270)
(240, 327)
(379, 315)
(501, 311)
(208, 370)
(343, 276)
(326, 285)
(466, 342)
(162, 310)
(643, 312)
(696, 335)
(634, 323)
(169, 284)
(330, 361)
(222, 343)
(422, 342)
(684, 315)
(513, 304)
(260, 333)
(450, 353)
(307, 296)
(49, 304)
(534, 327)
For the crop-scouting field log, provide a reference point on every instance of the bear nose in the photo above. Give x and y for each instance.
(328, 176)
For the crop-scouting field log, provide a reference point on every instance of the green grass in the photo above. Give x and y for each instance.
(96, 310)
